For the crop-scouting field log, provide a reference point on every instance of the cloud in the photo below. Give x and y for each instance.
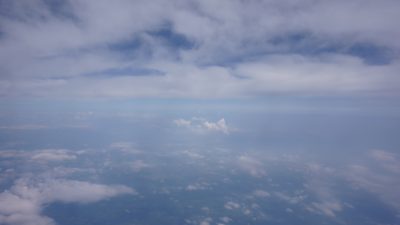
(53, 155)
(379, 173)
(290, 199)
(252, 166)
(225, 219)
(220, 125)
(203, 49)
(23, 202)
(231, 205)
(183, 123)
(206, 221)
(261, 193)
(139, 165)
(383, 156)
(24, 127)
(202, 125)
(198, 186)
(327, 208)
(126, 147)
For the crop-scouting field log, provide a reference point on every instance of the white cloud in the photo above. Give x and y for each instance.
(23, 202)
(53, 155)
(198, 186)
(295, 199)
(126, 147)
(206, 221)
(220, 125)
(252, 166)
(261, 193)
(225, 219)
(327, 208)
(202, 125)
(139, 165)
(231, 40)
(183, 123)
(231, 205)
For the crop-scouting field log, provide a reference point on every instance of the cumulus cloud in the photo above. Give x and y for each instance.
(202, 125)
(23, 202)
(220, 125)
(201, 49)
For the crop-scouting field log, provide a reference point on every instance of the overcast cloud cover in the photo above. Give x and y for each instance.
(199, 49)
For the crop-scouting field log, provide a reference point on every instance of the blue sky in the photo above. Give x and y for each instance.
(198, 49)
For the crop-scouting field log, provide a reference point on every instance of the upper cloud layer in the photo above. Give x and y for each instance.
(198, 49)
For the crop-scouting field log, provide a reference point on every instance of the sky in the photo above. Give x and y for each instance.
(203, 112)
(198, 49)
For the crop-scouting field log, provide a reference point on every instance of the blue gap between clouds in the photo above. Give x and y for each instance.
(304, 43)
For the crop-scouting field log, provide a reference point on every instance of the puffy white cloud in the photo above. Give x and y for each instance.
(220, 125)
(23, 202)
(202, 125)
